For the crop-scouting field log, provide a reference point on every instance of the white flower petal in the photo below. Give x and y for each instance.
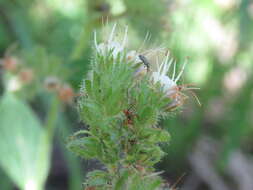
(111, 44)
(161, 75)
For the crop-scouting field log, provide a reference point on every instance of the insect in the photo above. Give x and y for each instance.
(145, 61)
(129, 116)
(178, 97)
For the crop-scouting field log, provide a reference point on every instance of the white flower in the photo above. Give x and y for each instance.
(169, 84)
(111, 44)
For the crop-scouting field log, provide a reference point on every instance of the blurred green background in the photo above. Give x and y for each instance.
(49, 42)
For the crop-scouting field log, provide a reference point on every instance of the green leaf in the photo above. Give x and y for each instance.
(88, 89)
(87, 147)
(154, 184)
(97, 178)
(122, 181)
(164, 136)
(20, 140)
(147, 115)
(96, 84)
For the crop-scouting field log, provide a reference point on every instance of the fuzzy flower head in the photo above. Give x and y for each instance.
(168, 83)
(112, 44)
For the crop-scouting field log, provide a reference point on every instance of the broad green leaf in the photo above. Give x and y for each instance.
(20, 144)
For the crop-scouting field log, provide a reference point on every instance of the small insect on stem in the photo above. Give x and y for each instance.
(145, 61)
(129, 116)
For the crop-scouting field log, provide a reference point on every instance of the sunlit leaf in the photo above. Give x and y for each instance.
(20, 144)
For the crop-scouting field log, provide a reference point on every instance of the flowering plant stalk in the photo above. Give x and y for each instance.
(123, 98)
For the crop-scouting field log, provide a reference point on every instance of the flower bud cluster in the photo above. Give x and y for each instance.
(18, 76)
(159, 74)
(124, 97)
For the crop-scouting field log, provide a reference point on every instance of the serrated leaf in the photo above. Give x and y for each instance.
(164, 136)
(97, 178)
(87, 147)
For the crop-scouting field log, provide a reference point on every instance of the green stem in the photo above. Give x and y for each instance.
(44, 154)
(52, 118)
(83, 41)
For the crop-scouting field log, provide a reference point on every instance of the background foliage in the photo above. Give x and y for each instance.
(53, 38)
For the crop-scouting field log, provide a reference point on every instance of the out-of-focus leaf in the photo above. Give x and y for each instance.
(145, 16)
(5, 182)
(20, 144)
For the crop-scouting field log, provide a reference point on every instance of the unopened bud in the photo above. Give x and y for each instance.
(66, 93)
(26, 75)
(10, 63)
(52, 83)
